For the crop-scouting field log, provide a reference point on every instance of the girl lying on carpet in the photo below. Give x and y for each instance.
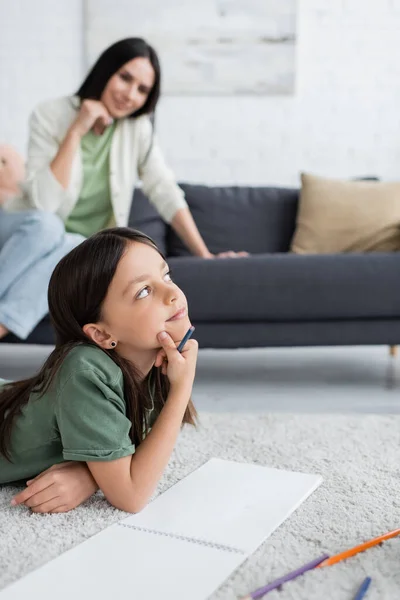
(113, 394)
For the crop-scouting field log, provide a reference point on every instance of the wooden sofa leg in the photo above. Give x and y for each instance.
(393, 351)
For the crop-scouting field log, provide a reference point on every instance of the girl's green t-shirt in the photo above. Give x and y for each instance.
(81, 417)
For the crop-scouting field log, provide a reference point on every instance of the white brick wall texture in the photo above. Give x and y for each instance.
(41, 56)
(343, 120)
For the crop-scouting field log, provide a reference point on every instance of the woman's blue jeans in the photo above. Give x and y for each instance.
(31, 244)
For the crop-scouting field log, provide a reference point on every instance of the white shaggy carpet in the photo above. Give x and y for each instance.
(358, 456)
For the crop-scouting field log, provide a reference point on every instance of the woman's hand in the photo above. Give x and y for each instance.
(59, 489)
(226, 254)
(92, 115)
(179, 367)
(231, 254)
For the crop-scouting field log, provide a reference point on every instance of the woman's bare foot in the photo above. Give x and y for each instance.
(3, 331)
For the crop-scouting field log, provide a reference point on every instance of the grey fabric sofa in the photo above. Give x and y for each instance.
(272, 298)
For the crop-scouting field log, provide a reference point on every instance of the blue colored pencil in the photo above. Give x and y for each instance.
(363, 589)
(188, 335)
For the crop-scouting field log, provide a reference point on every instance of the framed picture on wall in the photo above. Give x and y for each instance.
(207, 47)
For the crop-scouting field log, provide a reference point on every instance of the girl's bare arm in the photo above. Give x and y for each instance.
(129, 482)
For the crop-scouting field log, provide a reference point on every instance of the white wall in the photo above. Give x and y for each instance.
(41, 56)
(344, 119)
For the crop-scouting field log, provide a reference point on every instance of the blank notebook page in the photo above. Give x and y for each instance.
(228, 503)
(123, 564)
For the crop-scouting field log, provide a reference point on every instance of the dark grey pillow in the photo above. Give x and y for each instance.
(255, 219)
(145, 218)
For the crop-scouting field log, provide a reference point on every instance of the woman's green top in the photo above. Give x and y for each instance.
(93, 210)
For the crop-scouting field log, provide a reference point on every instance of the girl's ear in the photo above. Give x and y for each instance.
(97, 335)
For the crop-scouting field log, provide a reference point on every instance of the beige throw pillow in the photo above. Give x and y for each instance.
(347, 216)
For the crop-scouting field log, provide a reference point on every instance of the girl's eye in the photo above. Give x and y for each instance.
(125, 76)
(143, 293)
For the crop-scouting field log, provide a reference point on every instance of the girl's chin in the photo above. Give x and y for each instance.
(177, 329)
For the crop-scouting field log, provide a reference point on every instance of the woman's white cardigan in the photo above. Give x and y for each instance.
(131, 143)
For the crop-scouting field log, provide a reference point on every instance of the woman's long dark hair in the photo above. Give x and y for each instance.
(77, 290)
(111, 60)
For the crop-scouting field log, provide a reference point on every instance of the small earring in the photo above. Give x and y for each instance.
(113, 344)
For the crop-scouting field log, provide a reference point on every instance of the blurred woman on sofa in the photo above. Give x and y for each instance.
(87, 151)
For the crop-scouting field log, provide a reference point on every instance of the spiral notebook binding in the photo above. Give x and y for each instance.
(198, 541)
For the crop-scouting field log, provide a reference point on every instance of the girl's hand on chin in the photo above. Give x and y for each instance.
(179, 367)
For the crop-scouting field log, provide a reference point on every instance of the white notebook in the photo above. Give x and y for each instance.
(182, 545)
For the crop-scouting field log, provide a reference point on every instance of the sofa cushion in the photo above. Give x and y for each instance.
(290, 287)
(347, 216)
(282, 288)
(144, 217)
(256, 219)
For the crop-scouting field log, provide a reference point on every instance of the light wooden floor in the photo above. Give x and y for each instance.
(340, 379)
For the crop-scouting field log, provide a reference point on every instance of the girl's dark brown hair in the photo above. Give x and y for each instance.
(77, 290)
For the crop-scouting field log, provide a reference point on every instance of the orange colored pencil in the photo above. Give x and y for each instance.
(347, 553)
